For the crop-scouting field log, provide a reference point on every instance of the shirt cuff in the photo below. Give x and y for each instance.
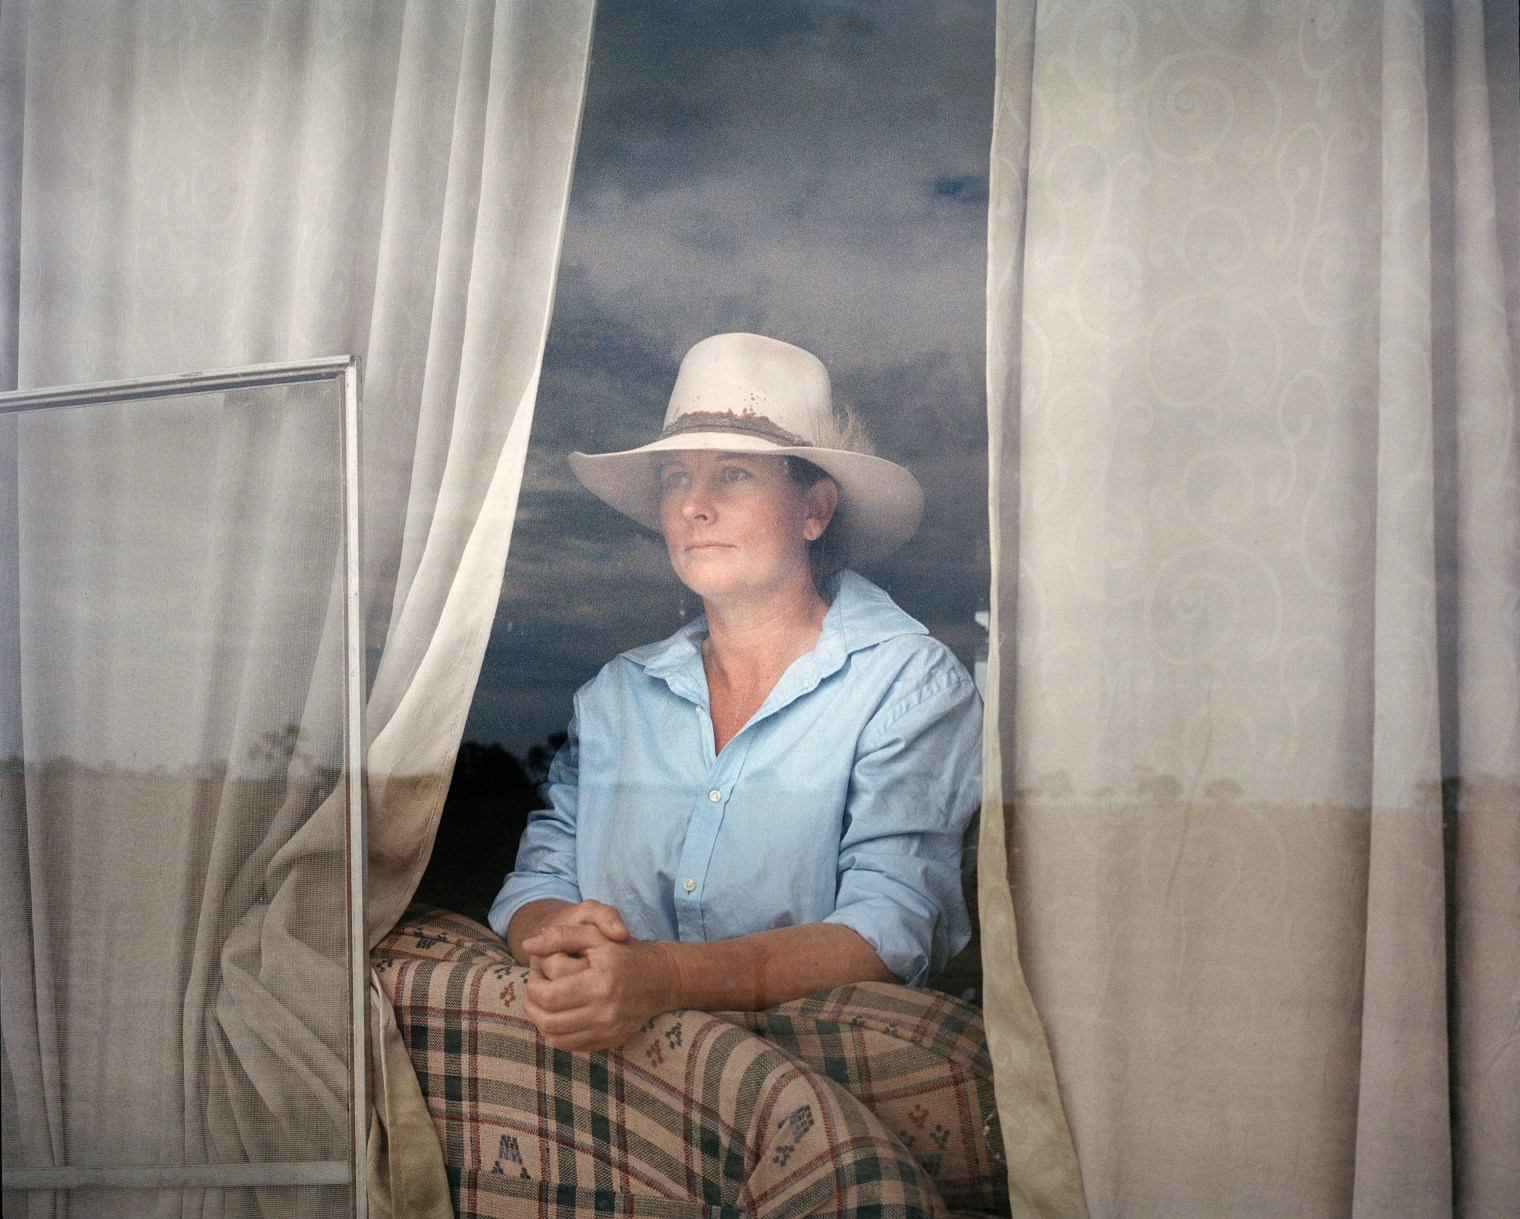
(522, 888)
(899, 950)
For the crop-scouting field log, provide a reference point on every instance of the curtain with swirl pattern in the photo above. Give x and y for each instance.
(1253, 304)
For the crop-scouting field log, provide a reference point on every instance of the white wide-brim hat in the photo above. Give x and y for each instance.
(744, 393)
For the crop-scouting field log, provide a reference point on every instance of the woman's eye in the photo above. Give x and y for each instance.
(671, 479)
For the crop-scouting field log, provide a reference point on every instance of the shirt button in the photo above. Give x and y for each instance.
(688, 884)
(715, 795)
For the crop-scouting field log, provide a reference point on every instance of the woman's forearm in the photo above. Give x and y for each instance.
(589, 991)
(771, 967)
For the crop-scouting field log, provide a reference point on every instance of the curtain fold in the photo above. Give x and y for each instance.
(1043, 1177)
(192, 187)
(1482, 782)
(1252, 336)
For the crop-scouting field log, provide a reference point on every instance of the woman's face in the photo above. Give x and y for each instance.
(737, 525)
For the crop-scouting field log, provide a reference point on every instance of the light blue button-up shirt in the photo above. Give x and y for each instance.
(845, 799)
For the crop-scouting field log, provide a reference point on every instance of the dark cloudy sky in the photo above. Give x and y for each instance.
(812, 171)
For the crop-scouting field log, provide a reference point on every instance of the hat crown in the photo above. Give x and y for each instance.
(757, 381)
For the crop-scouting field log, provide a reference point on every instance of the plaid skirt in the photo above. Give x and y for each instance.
(870, 1099)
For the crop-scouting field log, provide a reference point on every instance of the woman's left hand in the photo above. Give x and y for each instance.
(613, 988)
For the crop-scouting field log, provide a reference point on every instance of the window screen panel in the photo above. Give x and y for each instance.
(182, 843)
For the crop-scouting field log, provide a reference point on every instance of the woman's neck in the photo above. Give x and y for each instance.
(747, 650)
(754, 639)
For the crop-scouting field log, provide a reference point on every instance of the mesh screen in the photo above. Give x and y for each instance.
(175, 852)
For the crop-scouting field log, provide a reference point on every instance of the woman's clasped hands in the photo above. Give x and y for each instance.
(591, 985)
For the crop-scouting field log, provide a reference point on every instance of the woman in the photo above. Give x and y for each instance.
(772, 802)
(767, 805)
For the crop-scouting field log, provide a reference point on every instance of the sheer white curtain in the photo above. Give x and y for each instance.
(1253, 304)
(190, 186)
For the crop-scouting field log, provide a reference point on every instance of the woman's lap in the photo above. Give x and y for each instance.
(696, 1115)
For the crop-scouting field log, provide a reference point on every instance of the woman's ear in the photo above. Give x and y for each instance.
(822, 500)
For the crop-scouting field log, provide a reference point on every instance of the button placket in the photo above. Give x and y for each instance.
(704, 822)
(701, 835)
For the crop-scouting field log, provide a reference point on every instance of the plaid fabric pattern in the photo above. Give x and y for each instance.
(918, 1060)
(698, 1115)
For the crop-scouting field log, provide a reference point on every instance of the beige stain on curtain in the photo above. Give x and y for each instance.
(1252, 332)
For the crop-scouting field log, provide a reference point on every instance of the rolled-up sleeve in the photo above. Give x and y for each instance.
(546, 859)
(914, 790)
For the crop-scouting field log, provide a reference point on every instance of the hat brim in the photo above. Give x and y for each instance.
(880, 503)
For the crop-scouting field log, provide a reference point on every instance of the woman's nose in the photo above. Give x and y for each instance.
(697, 503)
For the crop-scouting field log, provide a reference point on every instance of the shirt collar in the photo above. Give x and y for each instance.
(860, 615)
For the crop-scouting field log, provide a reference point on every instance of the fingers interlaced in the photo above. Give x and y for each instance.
(557, 965)
(564, 938)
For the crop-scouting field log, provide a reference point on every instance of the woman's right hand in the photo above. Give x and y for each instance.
(591, 985)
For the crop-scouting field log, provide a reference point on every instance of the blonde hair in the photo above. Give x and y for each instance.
(844, 430)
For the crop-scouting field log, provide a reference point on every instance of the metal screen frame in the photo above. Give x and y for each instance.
(344, 372)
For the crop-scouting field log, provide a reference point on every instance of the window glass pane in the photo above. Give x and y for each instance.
(813, 172)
